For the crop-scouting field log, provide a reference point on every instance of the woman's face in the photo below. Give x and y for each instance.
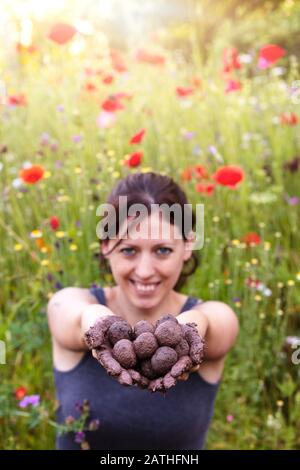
(147, 265)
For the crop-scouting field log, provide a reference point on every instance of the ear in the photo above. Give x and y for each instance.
(188, 246)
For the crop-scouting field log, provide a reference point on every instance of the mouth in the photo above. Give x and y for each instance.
(145, 287)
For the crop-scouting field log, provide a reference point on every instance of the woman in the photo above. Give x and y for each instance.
(148, 272)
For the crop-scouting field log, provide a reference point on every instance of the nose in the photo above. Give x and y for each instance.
(144, 269)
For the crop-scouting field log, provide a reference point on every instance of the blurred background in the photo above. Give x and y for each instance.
(207, 92)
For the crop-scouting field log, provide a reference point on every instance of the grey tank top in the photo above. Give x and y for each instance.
(132, 418)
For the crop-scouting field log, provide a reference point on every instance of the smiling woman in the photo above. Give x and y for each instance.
(148, 273)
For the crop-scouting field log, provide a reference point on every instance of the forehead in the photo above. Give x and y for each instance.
(153, 228)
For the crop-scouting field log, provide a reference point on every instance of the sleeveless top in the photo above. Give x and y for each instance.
(132, 418)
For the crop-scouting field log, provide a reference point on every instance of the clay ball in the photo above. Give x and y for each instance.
(143, 326)
(145, 345)
(119, 330)
(163, 359)
(123, 352)
(168, 333)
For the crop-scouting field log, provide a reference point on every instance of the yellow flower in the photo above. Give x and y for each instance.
(237, 304)
(116, 174)
(279, 403)
(44, 249)
(18, 247)
(298, 276)
(49, 295)
(235, 242)
(77, 170)
(216, 219)
(110, 153)
(228, 281)
(290, 283)
(254, 261)
(47, 174)
(60, 234)
(280, 285)
(257, 297)
(262, 316)
(73, 247)
(267, 246)
(45, 262)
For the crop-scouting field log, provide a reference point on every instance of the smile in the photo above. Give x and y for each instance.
(144, 287)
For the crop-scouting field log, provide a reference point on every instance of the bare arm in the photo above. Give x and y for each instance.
(71, 311)
(217, 323)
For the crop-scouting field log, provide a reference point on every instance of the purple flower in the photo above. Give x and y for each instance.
(77, 138)
(196, 150)
(60, 108)
(33, 400)
(54, 146)
(189, 135)
(212, 149)
(79, 437)
(78, 223)
(58, 164)
(45, 138)
(58, 286)
(292, 201)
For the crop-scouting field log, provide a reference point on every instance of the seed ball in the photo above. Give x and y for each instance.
(119, 330)
(147, 369)
(163, 359)
(145, 345)
(124, 353)
(143, 326)
(165, 318)
(125, 378)
(168, 333)
(182, 348)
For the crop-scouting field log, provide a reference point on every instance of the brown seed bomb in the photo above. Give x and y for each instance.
(168, 333)
(163, 359)
(166, 318)
(182, 348)
(147, 369)
(124, 353)
(145, 345)
(143, 326)
(196, 343)
(156, 385)
(119, 330)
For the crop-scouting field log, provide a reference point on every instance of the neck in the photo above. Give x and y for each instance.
(171, 304)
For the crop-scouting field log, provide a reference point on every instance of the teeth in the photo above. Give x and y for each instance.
(145, 288)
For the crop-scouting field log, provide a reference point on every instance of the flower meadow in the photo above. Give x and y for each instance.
(72, 125)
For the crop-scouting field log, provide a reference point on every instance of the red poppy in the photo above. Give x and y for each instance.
(232, 85)
(207, 189)
(54, 222)
(62, 33)
(269, 55)
(117, 61)
(32, 174)
(17, 100)
(230, 60)
(183, 92)
(137, 138)
(20, 392)
(90, 87)
(108, 79)
(122, 96)
(251, 238)
(197, 82)
(134, 159)
(186, 174)
(289, 119)
(153, 59)
(112, 104)
(200, 171)
(229, 176)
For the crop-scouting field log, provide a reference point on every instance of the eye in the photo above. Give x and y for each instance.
(128, 251)
(164, 250)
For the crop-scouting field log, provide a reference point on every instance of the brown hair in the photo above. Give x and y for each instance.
(153, 188)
